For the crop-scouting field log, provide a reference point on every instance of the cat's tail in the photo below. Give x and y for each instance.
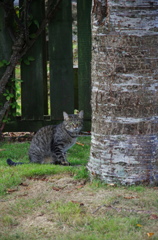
(11, 163)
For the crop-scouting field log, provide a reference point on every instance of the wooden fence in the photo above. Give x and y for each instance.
(70, 88)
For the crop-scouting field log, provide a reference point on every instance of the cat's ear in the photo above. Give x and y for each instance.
(66, 116)
(81, 114)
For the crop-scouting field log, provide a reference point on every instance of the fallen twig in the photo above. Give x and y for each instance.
(81, 144)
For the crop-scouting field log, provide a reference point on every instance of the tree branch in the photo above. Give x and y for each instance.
(21, 47)
(21, 42)
(3, 110)
(15, 57)
(50, 13)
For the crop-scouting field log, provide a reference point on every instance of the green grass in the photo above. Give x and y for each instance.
(12, 176)
(75, 210)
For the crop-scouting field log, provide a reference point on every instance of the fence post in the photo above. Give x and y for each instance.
(5, 41)
(34, 95)
(61, 62)
(84, 57)
(5, 47)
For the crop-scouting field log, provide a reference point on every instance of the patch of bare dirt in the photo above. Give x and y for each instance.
(45, 191)
(27, 136)
(49, 190)
(18, 136)
(59, 188)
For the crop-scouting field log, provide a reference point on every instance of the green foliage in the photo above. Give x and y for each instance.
(36, 23)
(33, 35)
(21, 22)
(4, 63)
(12, 94)
(28, 60)
(8, 95)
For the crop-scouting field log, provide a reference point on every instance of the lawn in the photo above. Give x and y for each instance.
(77, 156)
(61, 203)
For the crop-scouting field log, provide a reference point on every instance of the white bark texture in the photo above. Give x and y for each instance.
(125, 91)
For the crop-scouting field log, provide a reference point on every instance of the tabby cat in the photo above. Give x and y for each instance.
(50, 143)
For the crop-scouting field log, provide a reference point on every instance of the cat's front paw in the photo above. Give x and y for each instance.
(65, 163)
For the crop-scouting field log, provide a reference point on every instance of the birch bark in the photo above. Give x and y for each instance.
(125, 91)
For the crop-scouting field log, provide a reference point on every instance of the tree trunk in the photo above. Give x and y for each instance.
(125, 91)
